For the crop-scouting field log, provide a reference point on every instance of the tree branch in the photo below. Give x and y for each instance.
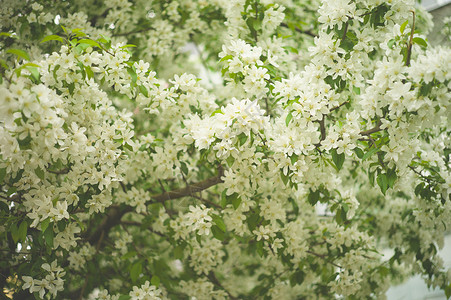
(307, 32)
(323, 257)
(213, 279)
(372, 130)
(190, 189)
(116, 213)
(409, 47)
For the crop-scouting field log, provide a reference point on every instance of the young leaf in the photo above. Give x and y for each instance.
(52, 37)
(19, 53)
(403, 26)
(288, 119)
(420, 41)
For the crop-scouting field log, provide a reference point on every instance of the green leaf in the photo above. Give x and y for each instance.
(6, 34)
(89, 72)
(260, 250)
(236, 201)
(52, 37)
(45, 224)
(369, 153)
(294, 158)
(128, 255)
(178, 252)
(297, 277)
(132, 74)
(448, 291)
(89, 42)
(14, 232)
(2, 175)
(40, 173)
(340, 216)
(313, 197)
(356, 90)
(183, 167)
(382, 182)
(288, 119)
(252, 221)
(224, 198)
(291, 49)
(338, 158)
(11, 191)
(218, 111)
(227, 57)
(135, 270)
(155, 281)
(22, 231)
(105, 40)
(217, 232)
(242, 138)
(219, 222)
(144, 90)
(48, 236)
(19, 53)
(391, 43)
(420, 41)
(358, 152)
(403, 26)
(124, 297)
(127, 46)
(284, 177)
(34, 72)
(391, 177)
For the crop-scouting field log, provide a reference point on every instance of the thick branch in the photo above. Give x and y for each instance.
(115, 213)
(189, 189)
(113, 218)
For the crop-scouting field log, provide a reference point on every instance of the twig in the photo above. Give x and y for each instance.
(324, 257)
(337, 107)
(307, 32)
(345, 30)
(124, 189)
(372, 130)
(268, 109)
(211, 203)
(409, 47)
(323, 129)
(59, 172)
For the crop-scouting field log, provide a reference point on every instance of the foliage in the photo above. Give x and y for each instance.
(312, 136)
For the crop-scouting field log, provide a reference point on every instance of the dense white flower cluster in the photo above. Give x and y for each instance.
(275, 162)
(52, 282)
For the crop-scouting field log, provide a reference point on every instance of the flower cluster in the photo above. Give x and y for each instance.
(221, 149)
